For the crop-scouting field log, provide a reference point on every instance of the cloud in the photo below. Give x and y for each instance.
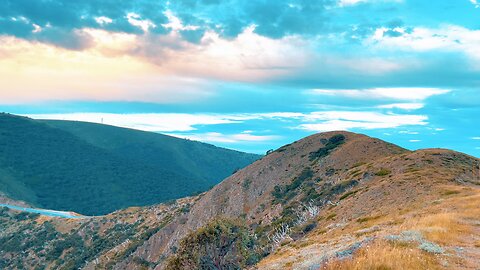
(50, 20)
(347, 120)
(408, 132)
(313, 121)
(62, 22)
(350, 2)
(216, 137)
(475, 3)
(403, 106)
(447, 38)
(414, 141)
(156, 122)
(408, 94)
(475, 138)
(344, 3)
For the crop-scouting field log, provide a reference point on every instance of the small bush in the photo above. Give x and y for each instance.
(285, 193)
(329, 146)
(348, 194)
(331, 216)
(222, 244)
(246, 184)
(383, 172)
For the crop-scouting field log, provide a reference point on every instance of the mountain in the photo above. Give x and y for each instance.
(335, 200)
(95, 169)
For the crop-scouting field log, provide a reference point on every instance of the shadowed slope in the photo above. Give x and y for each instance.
(103, 168)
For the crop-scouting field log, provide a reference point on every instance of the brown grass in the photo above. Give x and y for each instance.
(384, 256)
(448, 227)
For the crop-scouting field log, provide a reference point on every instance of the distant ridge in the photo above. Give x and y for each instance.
(95, 169)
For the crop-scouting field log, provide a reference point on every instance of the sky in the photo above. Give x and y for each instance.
(249, 75)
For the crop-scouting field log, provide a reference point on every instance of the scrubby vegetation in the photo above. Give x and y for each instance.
(222, 244)
(383, 172)
(329, 146)
(37, 244)
(282, 194)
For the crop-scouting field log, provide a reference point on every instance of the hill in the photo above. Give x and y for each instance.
(95, 169)
(334, 200)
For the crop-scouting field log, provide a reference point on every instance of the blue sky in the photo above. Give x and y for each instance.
(250, 75)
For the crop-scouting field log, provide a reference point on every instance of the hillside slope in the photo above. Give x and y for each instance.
(201, 161)
(95, 169)
(334, 200)
(325, 183)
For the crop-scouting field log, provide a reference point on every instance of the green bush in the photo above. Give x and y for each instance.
(222, 244)
(285, 193)
(383, 172)
(329, 146)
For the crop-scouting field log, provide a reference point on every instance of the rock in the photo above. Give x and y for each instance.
(431, 247)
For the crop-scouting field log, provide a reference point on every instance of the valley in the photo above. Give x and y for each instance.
(96, 169)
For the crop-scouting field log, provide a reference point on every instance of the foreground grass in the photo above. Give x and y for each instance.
(382, 255)
(450, 223)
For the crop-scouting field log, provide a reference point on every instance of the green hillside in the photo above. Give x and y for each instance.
(95, 169)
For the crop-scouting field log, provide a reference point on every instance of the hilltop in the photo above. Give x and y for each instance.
(335, 200)
(95, 169)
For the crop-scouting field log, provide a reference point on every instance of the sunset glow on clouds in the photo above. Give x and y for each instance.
(402, 70)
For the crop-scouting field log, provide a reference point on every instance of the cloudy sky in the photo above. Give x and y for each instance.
(249, 75)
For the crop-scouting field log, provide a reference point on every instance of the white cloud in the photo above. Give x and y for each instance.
(175, 122)
(103, 20)
(157, 122)
(475, 3)
(408, 132)
(397, 93)
(216, 137)
(343, 3)
(475, 138)
(403, 106)
(421, 39)
(344, 120)
(136, 20)
(414, 141)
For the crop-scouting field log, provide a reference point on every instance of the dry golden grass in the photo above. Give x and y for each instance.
(443, 228)
(385, 256)
(447, 224)
(447, 215)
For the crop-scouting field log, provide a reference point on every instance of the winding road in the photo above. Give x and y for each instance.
(45, 212)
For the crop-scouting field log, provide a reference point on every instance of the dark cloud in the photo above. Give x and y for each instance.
(61, 20)
(273, 18)
(449, 71)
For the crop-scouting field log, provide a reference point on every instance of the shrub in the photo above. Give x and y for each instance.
(329, 146)
(222, 244)
(246, 184)
(285, 193)
(348, 194)
(383, 172)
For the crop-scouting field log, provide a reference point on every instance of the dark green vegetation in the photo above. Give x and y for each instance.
(282, 194)
(329, 146)
(305, 183)
(221, 244)
(383, 172)
(95, 169)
